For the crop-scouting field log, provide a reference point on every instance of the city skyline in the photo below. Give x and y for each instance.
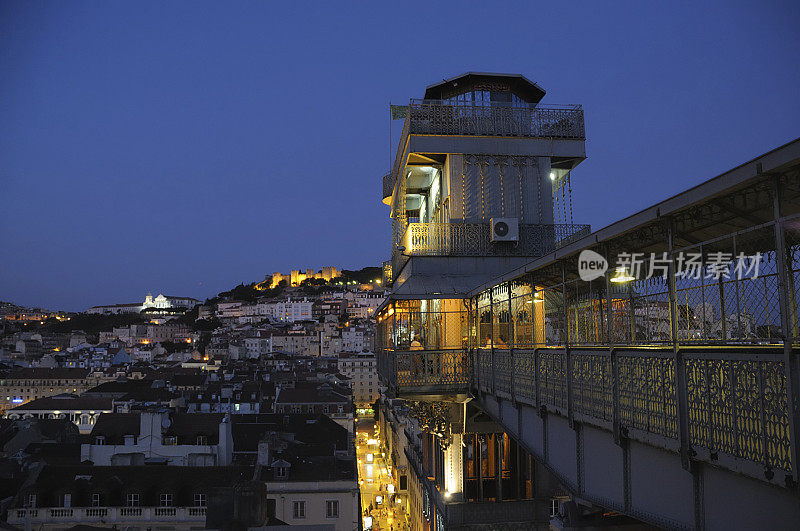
(150, 148)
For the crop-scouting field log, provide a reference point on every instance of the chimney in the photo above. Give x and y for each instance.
(225, 456)
(264, 452)
(150, 424)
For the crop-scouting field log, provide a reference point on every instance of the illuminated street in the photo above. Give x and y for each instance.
(376, 484)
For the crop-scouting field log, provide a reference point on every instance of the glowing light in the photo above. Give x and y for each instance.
(622, 275)
(537, 298)
(552, 176)
(447, 494)
(370, 458)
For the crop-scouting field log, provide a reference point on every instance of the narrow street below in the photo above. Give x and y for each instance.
(381, 508)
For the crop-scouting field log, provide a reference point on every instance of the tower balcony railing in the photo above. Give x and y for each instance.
(438, 117)
(495, 119)
(474, 239)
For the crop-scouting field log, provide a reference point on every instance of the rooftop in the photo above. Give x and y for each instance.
(66, 402)
(516, 83)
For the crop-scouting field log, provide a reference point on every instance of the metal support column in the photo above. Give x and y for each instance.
(567, 342)
(511, 344)
(723, 314)
(680, 368)
(612, 357)
(498, 466)
(790, 361)
(479, 461)
(491, 337)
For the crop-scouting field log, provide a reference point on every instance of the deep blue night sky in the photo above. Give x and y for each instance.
(187, 148)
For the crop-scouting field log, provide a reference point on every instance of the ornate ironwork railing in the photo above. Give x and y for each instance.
(735, 396)
(421, 370)
(473, 239)
(498, 119)
(737, 415)
(464, 118)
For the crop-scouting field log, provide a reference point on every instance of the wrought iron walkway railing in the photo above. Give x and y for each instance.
(736, 411)
(736, 414)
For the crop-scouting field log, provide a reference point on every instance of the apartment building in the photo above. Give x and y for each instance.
(362, 370)
(286, 311)
(25, 384)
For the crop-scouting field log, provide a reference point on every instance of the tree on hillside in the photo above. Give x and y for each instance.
(94, 324)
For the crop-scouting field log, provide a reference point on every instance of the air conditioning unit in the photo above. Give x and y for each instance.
(504, 229)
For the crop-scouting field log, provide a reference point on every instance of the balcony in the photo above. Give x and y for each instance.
(437, 117)
(106, 515)
(474, 239)
(420, 373)
(466, 118)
